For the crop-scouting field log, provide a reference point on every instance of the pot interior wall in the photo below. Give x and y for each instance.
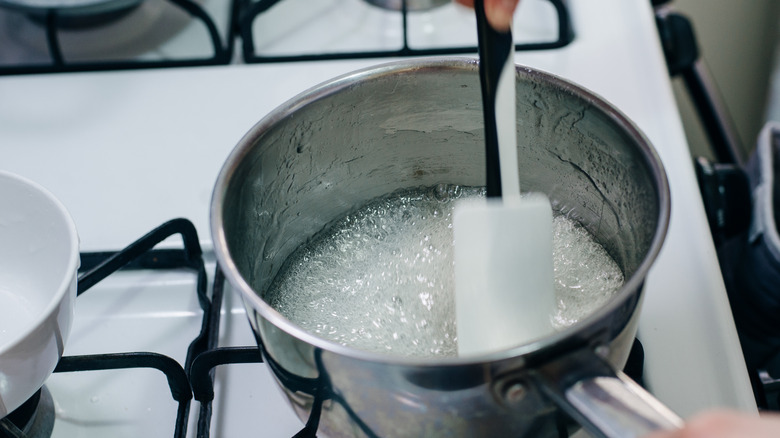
(327, 154)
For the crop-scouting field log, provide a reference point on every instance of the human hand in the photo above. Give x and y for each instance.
(726, 424)
(498, 12)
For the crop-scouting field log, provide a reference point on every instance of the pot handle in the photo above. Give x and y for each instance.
(604, 401)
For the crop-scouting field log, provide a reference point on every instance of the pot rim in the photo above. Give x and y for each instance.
(631, 287)
(73, 263)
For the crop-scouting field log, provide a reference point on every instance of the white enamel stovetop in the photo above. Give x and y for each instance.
(126, 151)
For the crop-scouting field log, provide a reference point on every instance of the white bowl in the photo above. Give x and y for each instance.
(39, 259)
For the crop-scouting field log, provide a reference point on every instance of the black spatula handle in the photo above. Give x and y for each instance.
(494, 52)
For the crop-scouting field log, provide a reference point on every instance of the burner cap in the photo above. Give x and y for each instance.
(74, 14)
(411, 5)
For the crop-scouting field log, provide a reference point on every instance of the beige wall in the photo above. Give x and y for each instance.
(737, 40)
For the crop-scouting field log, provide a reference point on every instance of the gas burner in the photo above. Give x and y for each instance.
(33, 419)
(80, 19)
(411, 5)
(73, 14)
(84, 35)
(71, 7)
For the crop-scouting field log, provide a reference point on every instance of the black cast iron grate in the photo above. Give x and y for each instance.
(55, 22)
(243, 14)
(140, 254)
(249, 10)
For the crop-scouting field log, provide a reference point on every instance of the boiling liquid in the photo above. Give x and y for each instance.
(382, 278)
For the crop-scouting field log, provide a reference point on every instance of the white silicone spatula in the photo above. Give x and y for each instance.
(504, 294)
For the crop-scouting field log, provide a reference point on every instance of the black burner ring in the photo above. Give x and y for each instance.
(33, 419)
(24, 413)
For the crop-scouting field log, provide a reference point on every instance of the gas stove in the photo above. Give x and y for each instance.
(130, 144)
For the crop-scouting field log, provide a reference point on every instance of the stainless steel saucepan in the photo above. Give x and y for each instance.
(419, 123)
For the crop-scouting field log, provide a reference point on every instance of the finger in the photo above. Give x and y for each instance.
(729, 424)
(726, 424)
(499, 13)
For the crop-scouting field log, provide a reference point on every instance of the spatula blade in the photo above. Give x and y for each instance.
(503, 272)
